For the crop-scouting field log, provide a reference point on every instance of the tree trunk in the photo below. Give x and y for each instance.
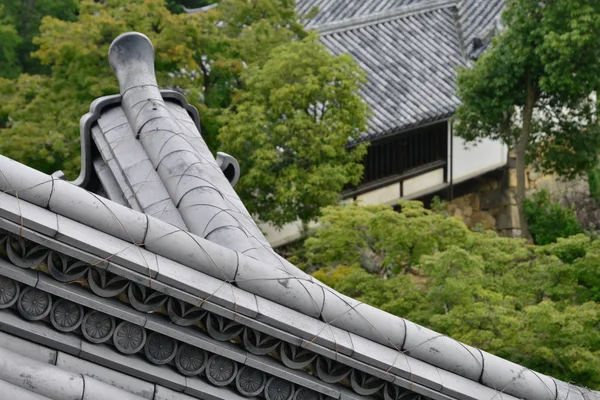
(520, 151)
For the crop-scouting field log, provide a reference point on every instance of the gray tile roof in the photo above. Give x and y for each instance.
(337, 10)
(410, 50)
(476, 17)
(410, 82)
(158, 287)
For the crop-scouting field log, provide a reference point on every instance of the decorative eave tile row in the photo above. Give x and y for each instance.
(349, 320)
(61, 361)
(153, 336)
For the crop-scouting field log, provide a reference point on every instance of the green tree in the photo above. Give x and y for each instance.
(25, 17)
(289, 127)
(534, 305)
(532, 88)
(379, 239)
(548, 220)
(9, 44)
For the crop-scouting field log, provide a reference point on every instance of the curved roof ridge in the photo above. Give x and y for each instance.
(379, 17)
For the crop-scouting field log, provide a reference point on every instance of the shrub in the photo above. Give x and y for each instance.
(594, 183)
(549, 221)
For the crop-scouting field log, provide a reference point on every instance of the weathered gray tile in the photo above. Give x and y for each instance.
(202, 285)
(101, 144)
(82, 296)
(98, 390)
(106, 246)
(298, 292)
(39, 333)
(110, 119)
(25, 276)
(195, 338)
(272, 367)
(421, 389)
(39, 377)
(516, 380)
(127, 150)
(251, 322)
(466, 389)
(346, 394)
(303, 326)
(202, 390)
(10, 391)
(28, 214)
(99, 213)
(28, 348)
(133, 365)
(165, 211)
(109, 376)
(566, 391)
(162, 393)
(412, 370)
(379, 373)
(191, 250)
(375, 354)
(53, 244)
(442, 351)
(109, 182)
(27, 183)
(363, 320)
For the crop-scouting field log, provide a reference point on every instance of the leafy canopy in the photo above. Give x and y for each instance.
(19, 24)
(534, 305)
(548, 51)
(548, 220)
(289, 127)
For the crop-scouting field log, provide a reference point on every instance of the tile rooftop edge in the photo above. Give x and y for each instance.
(43, 335)
(421, 332)
(406, 372)
(380, 17)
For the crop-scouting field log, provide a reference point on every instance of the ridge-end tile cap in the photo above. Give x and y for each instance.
(131, 56)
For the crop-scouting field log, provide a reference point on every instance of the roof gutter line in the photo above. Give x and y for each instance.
(380, 17)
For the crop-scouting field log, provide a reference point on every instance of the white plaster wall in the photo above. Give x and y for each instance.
(382, 195)
(277, 237)
(423, 183)
(473, 159)
(468, 161)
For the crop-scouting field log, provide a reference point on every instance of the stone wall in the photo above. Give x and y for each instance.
(573, 193)
(491, 203)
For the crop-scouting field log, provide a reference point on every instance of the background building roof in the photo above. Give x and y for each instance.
(411, 51)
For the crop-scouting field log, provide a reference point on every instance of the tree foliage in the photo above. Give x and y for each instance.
(548, 220)
(9, 45)
(19, 24)
(289, 127)
(532, 88)
(534, 305)
(233, 51)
